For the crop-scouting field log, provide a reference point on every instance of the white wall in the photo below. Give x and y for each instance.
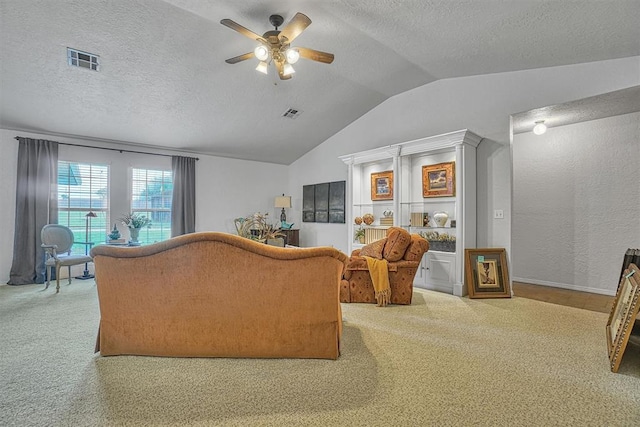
(576, 203)
(225, 188)
(481, 104)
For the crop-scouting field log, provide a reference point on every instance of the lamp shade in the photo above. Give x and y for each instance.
(287, 69)
(261, 52)
(283, 201)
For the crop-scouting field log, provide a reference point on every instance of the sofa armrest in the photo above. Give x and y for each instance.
(358, 263)
(403, 264)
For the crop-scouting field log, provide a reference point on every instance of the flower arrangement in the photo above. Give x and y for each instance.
(256, 227)
(444, 242)
(358, 235)
(135, 220)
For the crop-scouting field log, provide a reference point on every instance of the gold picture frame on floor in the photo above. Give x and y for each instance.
(623, 314)
(439, 180)
(382, 185)
(487, 273)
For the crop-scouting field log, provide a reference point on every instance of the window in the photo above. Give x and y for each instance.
(83, 187)
(151, 193)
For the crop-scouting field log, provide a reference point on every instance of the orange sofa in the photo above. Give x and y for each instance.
(403, 252)
(214, 294)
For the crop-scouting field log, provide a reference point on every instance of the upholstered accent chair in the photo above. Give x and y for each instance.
(403, 252)
(57, 241)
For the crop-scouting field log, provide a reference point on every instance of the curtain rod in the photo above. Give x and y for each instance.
(114, 149)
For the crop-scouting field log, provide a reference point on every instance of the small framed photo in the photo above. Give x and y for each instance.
(382, 185)
(439, 180)
(487, 273)
(623, 314)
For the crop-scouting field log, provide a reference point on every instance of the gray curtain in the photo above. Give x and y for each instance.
(183, 204)
(36, 206)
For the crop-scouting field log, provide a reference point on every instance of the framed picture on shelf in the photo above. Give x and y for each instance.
(487, 274)
(439, 180)
(623, 314)
(382, 185)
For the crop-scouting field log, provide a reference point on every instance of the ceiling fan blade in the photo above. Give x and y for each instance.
(296, 26)
(280, 68)
(315, 55)
(239, 58)
(242, 30)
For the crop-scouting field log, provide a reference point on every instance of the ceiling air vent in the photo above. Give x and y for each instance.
(77, 58)
(292, 113)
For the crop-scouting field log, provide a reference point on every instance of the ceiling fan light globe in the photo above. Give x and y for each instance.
(292, 56)
(287, 69)
(263, 67)
(261, 52)
(539, 128)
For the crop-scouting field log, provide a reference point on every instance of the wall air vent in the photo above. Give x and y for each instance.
(292, 113)
(81, 59)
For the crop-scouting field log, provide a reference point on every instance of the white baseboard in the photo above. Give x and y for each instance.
(565, 286)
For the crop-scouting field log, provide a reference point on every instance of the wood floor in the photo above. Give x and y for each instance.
(584, 300)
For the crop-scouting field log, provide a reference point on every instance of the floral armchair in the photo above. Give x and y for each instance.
(403, 252)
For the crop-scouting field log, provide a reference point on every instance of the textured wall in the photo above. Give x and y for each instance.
(225, 188)
(481, 104)
(576, 203)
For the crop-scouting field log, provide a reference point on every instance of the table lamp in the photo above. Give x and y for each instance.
(283, 202)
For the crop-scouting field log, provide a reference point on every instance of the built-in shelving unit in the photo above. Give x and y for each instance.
(441, 270)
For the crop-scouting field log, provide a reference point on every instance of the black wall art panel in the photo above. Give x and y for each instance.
(324, 202)
(336, 201)
(308, 203)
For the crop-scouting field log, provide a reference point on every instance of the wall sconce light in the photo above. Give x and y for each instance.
(283, 202)
(539, 128)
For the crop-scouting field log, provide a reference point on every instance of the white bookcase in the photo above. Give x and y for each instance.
(439, 270)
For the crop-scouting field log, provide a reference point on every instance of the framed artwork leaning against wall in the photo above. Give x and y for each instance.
(487, 273)
(623, 314)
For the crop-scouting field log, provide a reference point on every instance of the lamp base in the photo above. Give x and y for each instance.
(85, 276)
(283, 216)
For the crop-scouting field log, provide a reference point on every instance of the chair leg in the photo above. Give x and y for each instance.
(48, 277)
(57, 278)
(69, 274)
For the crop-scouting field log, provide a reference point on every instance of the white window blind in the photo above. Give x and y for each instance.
(151, 193)
(84, 187)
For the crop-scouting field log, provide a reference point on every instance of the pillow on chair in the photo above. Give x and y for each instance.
(373, 250)
(398, 240)
(419, 245)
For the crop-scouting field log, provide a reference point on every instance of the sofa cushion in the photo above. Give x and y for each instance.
(374, 250)
(418, 246)
(398, 240)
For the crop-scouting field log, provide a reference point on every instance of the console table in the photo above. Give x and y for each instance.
(291, 237)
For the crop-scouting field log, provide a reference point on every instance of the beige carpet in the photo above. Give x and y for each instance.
(444, 361)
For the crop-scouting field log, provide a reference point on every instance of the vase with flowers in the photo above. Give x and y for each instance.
(134, 222)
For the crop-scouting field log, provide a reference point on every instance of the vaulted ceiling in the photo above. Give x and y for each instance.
(163, 80)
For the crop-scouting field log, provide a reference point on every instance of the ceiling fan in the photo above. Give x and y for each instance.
(275, 46)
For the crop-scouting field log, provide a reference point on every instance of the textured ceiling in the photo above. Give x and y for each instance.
(163, 80)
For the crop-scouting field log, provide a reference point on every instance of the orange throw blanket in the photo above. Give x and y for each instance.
(379, 272)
